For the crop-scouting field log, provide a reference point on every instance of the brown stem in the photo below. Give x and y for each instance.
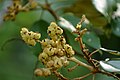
(53, 13)
(85, 52)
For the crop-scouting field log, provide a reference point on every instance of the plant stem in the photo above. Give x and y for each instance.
(80, 78)
(85, 52)
(109, 74)
(60, 76)
(81, 63)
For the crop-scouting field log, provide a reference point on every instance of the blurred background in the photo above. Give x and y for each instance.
(17, 60)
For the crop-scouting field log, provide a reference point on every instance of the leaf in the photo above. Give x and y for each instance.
(64, 23)
(103, 77)
(115, 24)
(111, 51)
(101, 6)
(91, 39)
(111, 66)
(27, 18)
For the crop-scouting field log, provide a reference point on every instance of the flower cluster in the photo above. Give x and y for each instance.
(17, 7)
(29, 37)
(55, 50)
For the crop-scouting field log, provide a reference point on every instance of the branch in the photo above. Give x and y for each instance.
(81, 63)
(60, 76)
(109, 74)
(80, 78)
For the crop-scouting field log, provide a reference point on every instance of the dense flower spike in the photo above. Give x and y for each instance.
(29, 37)
(55, 50)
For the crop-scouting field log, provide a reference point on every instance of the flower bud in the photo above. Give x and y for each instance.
(46, 72)
(38, 72)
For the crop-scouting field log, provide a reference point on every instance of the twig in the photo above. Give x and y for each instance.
(93, 52)
(80, 78)
(81, 63)
(82, 46)
(74, 67)
(60, 76)
(47, 7)
(85, 52)
(93, 78)
(109, 74)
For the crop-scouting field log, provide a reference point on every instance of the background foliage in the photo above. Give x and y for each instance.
(17, 59)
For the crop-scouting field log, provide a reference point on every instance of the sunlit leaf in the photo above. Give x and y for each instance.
(110, 66)
(64, 23)
(101, 6)
(111, 51)
(105, 7)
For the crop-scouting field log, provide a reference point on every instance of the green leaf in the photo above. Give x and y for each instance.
(103, 77)
(27, 18)
(115, 24)
(91, 39)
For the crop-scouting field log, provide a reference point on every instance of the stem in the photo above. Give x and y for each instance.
(93, 52)
(74, 67)
(85, 52)
(47, 7)
(81, 63)
(80, 78)
(93, 78)
(60, 75)
(109, 74)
